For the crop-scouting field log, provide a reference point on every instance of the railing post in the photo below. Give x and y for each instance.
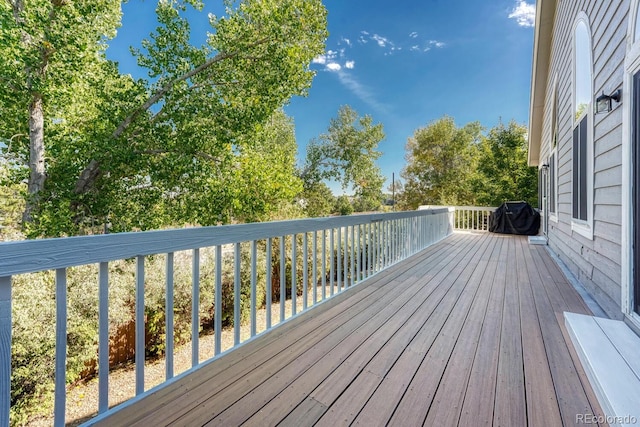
(5, 350)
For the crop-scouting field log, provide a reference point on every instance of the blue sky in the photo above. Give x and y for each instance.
(404, 63)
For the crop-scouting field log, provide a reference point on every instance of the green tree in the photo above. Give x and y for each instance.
(11, 201)
(441, 162)
(347, 153)
(343, 205)
(318, 200)
(111, 149)
(503, 172)
(46, 46)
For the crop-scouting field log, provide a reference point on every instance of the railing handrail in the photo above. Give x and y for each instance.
(464, 208)
(25, 256)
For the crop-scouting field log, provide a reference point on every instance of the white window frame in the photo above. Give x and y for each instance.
(553, 216)
(583, 228)
(631, 67)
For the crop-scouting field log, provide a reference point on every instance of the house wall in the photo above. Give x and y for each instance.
(595, 262)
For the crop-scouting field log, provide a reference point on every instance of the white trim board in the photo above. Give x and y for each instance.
(608, 351)
(537, 240)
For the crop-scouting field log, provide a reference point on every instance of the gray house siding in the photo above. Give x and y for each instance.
(595, 262)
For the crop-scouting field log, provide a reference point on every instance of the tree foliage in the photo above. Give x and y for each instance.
(347, 153)
(318, 199)
(503, 172)
(127, 151)
(11, 201)
(441, 159)
(450, 165)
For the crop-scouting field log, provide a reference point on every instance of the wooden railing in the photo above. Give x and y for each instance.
(337, 253)
(471, 218)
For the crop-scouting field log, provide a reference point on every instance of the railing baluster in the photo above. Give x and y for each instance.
(305, 271)
(103, 337)
(140, 326)
(283, 273)
(370, 248)
(339, 261)
(195, 307)
(324, 264)
(332, 257)
(254, 280)
(353, 254)
(217, 314)
(345, 262)
(5, 350)
(268, 278)
(358, 256)
(314, 275)
(294, 268)
(236, 294)
(168, 328)
(61, 347)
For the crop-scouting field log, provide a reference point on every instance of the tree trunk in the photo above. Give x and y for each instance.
(36, 156)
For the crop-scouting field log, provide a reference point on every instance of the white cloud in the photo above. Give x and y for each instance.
(346, 41)
(320, 59)
(436, 43)
(333, 66)
(350, 64)
(524, 14)
(382, 41)
(413, 35)
(328, 57)
(362, 92)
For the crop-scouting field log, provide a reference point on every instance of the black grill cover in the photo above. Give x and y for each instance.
(515, 218)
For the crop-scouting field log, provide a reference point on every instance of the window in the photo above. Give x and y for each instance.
(582, 164)
(552, 183)
(580, 170)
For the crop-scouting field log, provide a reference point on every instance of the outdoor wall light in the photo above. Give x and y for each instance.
(603, 102)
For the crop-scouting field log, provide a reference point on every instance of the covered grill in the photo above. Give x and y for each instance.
(515, 218)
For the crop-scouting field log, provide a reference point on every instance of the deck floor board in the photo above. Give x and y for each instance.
(467, 332)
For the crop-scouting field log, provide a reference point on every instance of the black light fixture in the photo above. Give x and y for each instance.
(603, 102)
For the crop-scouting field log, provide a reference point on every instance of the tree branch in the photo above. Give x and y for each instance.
(91, 172)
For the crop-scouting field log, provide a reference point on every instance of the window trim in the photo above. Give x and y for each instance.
(553, 185)
(583, 227)
(631, 67)
(553, 169)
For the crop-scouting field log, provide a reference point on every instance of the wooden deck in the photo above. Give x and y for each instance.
(467, 332)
